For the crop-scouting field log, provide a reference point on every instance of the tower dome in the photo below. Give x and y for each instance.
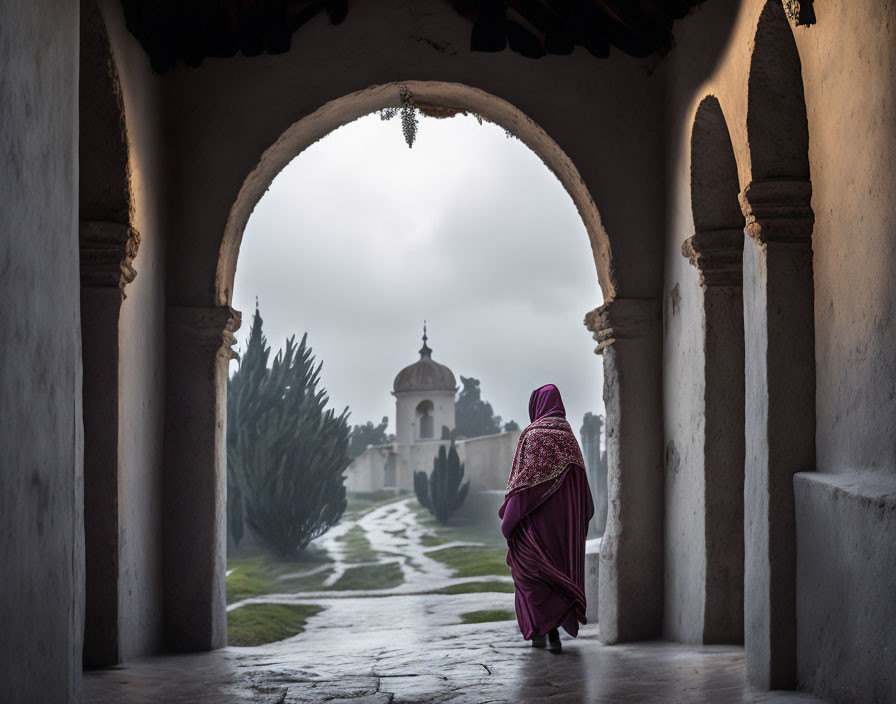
(425, 374)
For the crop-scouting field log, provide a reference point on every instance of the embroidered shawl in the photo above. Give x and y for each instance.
(546, 448)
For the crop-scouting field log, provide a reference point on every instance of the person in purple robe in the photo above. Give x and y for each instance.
(545, 518)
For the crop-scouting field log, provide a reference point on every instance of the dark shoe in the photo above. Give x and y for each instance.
(539, 642)
(554, 644)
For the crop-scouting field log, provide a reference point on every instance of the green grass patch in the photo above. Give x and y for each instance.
(363, 501)
(473, 561)
(477, 588)
(309, 583)
(257, 575)
(357, 546)
(385, 576)
(257, 624)
(244, 581)
(428, 540)
(487, 616)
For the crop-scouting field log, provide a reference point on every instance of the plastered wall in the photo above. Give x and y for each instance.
(41, 530)
(141, 340)
(848, 65)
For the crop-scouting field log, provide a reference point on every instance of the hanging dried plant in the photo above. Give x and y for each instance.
(408, 116)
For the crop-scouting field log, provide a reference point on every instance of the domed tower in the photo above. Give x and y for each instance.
(424, 399)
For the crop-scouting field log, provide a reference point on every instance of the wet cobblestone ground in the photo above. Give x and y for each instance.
(400, 646)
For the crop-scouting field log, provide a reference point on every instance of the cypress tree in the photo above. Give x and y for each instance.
(288, 450)
(242, 411)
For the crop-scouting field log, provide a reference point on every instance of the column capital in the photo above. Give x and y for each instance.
(211, 328)
(778, 211)
(622, 318)
(718, 256)
(107, 250)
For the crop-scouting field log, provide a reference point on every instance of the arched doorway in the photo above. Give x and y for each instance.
(627, 330)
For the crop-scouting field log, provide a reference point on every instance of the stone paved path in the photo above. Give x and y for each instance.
(401, 646)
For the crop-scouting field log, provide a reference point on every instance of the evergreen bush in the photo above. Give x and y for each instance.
(441, 492)
(286, 451)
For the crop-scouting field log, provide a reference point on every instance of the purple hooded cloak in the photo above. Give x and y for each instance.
(545, 520)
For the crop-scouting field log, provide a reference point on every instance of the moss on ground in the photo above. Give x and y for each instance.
(257, 624)
(384, 576)
(428, 540)
(487, 616)
(257, 575)
(357, 546)
(309, 583)
(243, 582)
(359, 503)
(473, 561)
(477, 588)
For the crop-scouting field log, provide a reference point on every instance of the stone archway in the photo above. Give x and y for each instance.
(435, 96)
(631, 591)
(716, 250)
(779, 344)
(108, 245)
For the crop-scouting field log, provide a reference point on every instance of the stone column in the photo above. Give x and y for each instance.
(198, 349)
(718, 256)
(106, 252)
(629, 336)
(780, 416)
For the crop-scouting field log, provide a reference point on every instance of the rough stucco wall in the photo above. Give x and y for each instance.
(684, 365)
(603, 113)
(487, 460)
(845, 605)
(141, 366)
(845, 562)
(684, 427)
(849, 63)
(41, 526)
(849, 75)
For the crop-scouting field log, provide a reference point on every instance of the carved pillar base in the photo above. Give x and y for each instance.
(198, 349)
(630, 604)
(718, 256)
(780, 416)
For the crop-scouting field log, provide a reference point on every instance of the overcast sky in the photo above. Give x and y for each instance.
(360, 239)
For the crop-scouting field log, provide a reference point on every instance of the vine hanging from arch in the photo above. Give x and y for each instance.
(410, 108)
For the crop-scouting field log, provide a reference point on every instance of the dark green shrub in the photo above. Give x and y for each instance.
(442, 492)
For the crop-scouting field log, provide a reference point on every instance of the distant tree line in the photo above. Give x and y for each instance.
(474, 417)
(286, 452)
(361, 436)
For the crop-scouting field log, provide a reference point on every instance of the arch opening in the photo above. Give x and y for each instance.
(424, 417)
(439, 98)
(428, 408)
(716, 250)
